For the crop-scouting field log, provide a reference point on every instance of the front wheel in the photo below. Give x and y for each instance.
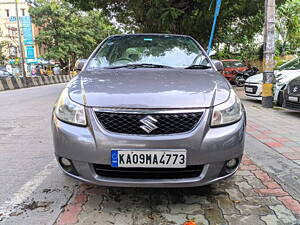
(239, 81)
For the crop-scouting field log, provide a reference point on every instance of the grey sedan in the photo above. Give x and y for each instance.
(149, 110)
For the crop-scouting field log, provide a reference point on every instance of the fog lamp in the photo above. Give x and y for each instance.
(65, 162)
(231, 163)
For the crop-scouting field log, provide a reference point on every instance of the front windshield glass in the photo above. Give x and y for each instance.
(293, 64)
(165, 50)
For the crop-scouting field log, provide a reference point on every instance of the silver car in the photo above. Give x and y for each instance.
(149, 110)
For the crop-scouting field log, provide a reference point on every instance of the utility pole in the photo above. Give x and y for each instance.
(23, 72)
(269, 50)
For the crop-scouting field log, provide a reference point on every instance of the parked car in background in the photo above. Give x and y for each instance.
(292, 95)
(4, 73)
(284, 74)
(232, 67)
(149, 110)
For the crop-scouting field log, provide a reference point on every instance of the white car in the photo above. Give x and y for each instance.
(284, 74)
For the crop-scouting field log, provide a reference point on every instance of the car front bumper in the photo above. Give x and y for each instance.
(256, 90)
(89, 146)
(292, 105)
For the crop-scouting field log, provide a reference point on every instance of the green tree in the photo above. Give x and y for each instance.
(288, 26)
(3, 45)
(68, 33)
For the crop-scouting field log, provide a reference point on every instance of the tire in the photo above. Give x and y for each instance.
(280, 99)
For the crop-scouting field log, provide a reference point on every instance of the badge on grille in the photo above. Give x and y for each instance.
(149, 124)
(295, 89)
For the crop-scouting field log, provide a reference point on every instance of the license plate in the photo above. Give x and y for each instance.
(149, 158)
(293, 99)
(249, 89)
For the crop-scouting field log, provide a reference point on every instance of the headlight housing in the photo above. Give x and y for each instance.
(69, 111)
(228, 112)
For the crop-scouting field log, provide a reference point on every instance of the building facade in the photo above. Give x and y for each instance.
(9, 35)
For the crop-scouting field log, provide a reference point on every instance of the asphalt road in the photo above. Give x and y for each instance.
(34, 191)
(27, 163)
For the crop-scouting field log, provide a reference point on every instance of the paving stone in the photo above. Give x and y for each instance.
(243, 220)
(249, 167)
(254, 182)
(186, 208)
(243, 173)
(266, 140)
(285, 215)
(198, 219)
(291, 144)
(292, 155)
(235, 195)
(191, 199)
(246, 189)
(253, 209)
(177, 219)
(284, 149)
(271, 220)
(238, 177)
(291, 204)
(274, 144)
(271, 192)
(263, 176)
(226, 205)
(214, 216)
(297, 149)
(259, 200)
(160, 204)
(272, 185)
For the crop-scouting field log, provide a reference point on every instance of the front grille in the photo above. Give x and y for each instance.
(148, 173)
(167, 123)
(292, 105)
(254, 89)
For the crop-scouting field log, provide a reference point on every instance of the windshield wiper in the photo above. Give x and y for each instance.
(139, 65)
(197, 67)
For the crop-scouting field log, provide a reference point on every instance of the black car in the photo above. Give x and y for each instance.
(292, 95)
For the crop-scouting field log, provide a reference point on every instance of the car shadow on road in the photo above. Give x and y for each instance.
(155, 202)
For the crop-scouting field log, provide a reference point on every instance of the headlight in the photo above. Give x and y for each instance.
(228, 112)
(69, 111)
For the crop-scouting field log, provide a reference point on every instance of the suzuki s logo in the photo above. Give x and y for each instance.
(149, 124)
(295, 89)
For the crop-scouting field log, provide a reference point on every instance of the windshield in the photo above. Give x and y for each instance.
(233, 64)
(165, 50)
(293, 64)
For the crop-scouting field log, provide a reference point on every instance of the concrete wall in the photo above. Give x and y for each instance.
(16, 83)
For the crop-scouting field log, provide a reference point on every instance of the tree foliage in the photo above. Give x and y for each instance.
(288, 26)
(238, 21)
(68, 33)
(3, 45)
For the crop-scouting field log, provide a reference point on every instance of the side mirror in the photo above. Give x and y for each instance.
(212, 53)
(80, 64)
(218, 65)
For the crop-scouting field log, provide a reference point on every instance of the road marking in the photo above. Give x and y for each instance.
(25, 191)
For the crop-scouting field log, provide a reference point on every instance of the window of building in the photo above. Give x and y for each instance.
(7, 12)
(23, 12)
